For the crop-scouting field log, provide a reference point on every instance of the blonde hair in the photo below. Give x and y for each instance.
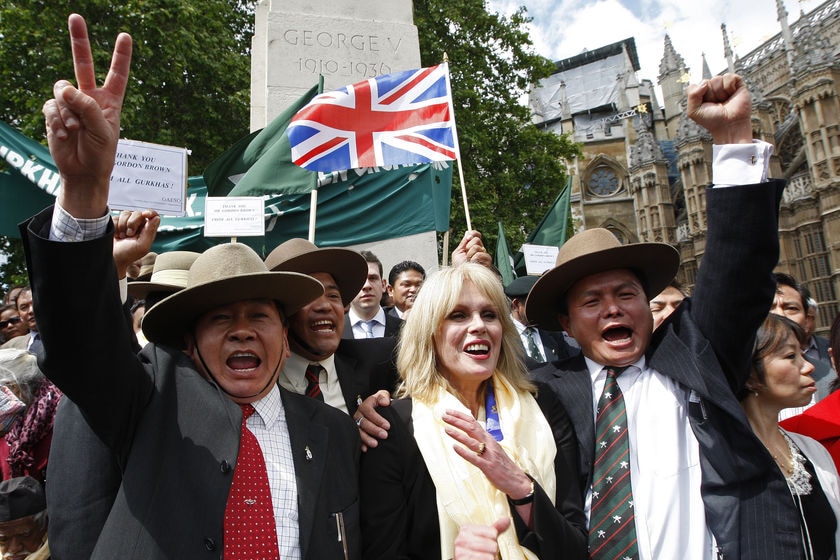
(417, 356)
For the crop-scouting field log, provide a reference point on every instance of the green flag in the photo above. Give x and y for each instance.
(502, 258)
(555, 226)
(261, 163)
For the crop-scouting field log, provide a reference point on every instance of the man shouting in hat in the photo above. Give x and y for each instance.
(217, 459)
(670, 466)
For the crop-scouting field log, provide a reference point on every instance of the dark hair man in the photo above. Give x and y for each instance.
(404, 281)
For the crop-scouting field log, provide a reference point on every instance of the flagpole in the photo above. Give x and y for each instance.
(457, 148)
(313, 197)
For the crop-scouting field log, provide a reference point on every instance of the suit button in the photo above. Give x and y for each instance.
(225, 467)
(209, 544)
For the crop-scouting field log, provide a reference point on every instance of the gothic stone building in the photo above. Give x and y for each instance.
(646, 165)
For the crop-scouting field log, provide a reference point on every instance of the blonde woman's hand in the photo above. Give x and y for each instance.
(482, 450)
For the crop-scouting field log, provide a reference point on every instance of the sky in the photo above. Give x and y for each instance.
(564, 28)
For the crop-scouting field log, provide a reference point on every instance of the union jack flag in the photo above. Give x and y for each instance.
(400, 118)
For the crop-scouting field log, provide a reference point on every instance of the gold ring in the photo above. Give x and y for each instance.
(481, 448)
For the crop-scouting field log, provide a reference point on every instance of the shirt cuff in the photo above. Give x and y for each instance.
(740, 164)
(65, 227)
(123, 283)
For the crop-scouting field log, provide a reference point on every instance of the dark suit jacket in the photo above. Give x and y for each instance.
(555, 346)
(823, 373)
(399, 508)
(175, 433)
(365, 366)
(706, 346)
(392, 326)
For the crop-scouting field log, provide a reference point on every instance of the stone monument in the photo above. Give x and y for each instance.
(346, 41)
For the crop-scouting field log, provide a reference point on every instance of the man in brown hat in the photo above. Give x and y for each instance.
(322, 364)
(656, 414)
(216, 458)
(23, 520)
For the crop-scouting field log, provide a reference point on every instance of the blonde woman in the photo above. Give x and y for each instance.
(470, 447)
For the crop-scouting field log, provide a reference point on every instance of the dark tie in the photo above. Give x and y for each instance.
(313, 386)
(533, 349)
(250, 529)
(612, 528)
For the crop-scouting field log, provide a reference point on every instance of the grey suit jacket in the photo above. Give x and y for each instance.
(823, 373)
(706, 346)
(174, 433)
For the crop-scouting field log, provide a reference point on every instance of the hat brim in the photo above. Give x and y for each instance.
(139, 290)
(655, 263)
(170, 319)
(348, 268)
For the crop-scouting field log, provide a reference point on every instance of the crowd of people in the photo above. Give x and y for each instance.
(304, 405)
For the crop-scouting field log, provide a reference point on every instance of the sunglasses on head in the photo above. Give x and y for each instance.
(10, 321)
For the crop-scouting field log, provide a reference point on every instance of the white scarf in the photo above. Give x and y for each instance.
(464, 494)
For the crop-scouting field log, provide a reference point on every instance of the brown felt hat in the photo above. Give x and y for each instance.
(347, 267)
(225, 274)
(169, 274)
(593, 251)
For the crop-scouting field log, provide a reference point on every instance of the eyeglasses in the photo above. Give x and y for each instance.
(9, 321)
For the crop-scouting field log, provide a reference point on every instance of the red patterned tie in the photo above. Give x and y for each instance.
(313, 387)
(250, 529)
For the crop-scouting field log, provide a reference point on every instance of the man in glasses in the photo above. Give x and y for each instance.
(11, 325)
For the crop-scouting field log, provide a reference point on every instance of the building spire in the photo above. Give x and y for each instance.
(727, 50)
(671, 61)
(787, 36)
(707, 74)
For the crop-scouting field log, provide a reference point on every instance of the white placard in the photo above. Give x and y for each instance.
(149, 176)
(539, 258)
(234, 216)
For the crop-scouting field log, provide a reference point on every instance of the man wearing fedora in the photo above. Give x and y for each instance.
(346, 369)
(540, 345)
(23, 520)
(703, 486)
(216, 458)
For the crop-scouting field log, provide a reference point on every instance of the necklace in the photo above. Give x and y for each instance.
(786, 465)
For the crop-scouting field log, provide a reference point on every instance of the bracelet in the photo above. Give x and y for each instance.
(527, 499)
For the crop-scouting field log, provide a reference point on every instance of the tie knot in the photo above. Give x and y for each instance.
(313, 371)
(247, 410)
(614, 372)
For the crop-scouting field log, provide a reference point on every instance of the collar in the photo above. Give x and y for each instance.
(270, 407)
(294, 370)
(597, 370)
(355, 319)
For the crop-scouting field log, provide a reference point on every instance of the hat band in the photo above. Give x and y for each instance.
(173, 277)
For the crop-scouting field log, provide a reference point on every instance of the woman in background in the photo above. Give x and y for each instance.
(780, 377)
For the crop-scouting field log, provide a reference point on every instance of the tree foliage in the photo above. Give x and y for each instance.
(190, 83)
(512, 170)
(190, 71)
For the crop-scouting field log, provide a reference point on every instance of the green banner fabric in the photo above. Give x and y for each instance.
(261, 163)
(554, 227)
(502, 258)
(354, 207)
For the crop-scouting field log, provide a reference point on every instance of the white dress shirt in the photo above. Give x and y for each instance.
(293, 378)
(523, 337)
(664, 464)
(359, 330)
(269, 426)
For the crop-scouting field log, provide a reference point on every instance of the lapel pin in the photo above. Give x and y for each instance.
(308, 453)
